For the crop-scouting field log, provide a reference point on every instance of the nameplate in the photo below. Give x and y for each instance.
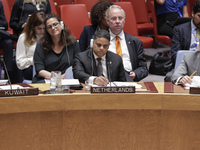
(19, 92)
(121, 89)
(194, 90)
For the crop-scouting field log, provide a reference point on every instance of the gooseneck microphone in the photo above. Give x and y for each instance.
(109, 76)
(6, 71)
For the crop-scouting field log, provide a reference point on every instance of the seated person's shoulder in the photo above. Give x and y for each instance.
(90, 27)
(132, 37)
(182, 26)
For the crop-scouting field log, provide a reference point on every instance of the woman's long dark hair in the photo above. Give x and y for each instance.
(66, 37)
(36, 19)
(98, 11)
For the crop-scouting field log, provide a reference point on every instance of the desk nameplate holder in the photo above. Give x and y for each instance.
(19, 92)
(194, 90)
(120, 89)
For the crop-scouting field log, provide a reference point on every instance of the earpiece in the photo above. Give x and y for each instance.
(62, 25)
(91, 43)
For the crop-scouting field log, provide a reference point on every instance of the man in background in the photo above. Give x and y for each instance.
(125, 45)
(185, 37)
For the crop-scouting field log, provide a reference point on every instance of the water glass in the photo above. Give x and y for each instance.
(55, 83)
(87, 85)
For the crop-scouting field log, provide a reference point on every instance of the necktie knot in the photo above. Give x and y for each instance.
(117, 37)
(99, 59)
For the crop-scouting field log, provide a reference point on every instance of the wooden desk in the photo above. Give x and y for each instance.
(83, 121)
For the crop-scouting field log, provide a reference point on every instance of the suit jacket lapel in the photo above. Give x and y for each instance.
(130, 48)
(109, 66)
(196, 64)
(188, 36)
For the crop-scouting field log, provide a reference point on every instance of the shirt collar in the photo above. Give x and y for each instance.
(193, 26)
(103, 57)
(112, 35)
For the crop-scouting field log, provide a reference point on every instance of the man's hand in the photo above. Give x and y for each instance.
(185, 79)
(132, 75)
(101, 81)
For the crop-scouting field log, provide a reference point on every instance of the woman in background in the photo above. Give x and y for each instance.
(56, 50)
(167, 12)
(32, 33)
(98, 21)
(21, 11)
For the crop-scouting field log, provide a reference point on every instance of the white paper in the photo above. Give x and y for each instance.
(7, 87)
(67, 81)
(3, 82)
(70, 82)
(195, 82)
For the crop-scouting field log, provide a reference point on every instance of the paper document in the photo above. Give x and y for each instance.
(3, 82)
(67, 81)
(14, 87)
(195, 82)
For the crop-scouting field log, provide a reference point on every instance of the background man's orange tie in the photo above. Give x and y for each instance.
(118, 46)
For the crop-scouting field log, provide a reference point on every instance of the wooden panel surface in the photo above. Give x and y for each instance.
(82, 121)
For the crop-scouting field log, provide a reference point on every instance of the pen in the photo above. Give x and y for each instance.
(193, 73)
(115, 84)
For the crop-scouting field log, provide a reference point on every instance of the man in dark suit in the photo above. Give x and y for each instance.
(98, 65)
(127, 46)
(185, 35)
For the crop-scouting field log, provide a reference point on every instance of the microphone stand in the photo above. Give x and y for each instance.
(6, 71)
(109, 78)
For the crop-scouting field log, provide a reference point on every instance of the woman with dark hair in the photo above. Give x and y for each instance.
(21, 11)
(98, 20)
(26, 44)
(56, 50)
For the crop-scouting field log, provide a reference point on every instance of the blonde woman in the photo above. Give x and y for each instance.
(22, 9)
(32, 33)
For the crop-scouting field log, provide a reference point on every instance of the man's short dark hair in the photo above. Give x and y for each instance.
(102, 33)
(196, 7)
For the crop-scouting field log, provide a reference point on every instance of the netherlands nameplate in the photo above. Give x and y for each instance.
(19, 92)
(194, 90)
(121, 89)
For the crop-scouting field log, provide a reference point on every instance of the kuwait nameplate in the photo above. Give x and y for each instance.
(19, 92)
(121, 89)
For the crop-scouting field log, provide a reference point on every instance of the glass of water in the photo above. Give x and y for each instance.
(55, 82)
(87, 85)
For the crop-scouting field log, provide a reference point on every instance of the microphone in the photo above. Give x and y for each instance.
(2, 61)
(109, 77)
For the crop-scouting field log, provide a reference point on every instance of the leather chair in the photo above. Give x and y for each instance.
(162, 39)
(88, 3)
(149, 10)
(11, 3)
(53, 7)
(75, 17)
(130, 26)
(145, 27)
(179, 57)
(58, 3)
